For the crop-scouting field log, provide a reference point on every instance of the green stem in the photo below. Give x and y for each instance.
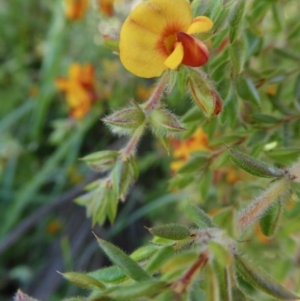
(259, 206)
(130, 147)
(154, 100)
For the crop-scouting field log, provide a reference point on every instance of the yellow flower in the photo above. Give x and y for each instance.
(183, 149)
(75, 9)
(79, 89)
(157, 35)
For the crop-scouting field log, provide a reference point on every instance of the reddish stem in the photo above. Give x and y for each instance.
(181, 285)
(154, 99)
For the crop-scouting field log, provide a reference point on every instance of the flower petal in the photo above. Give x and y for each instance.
(138, 52)
(195, 52)
(200, 24)
(176, 57)
(144, 32)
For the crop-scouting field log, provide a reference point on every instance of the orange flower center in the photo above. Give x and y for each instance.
(168, 39)
(169, 42)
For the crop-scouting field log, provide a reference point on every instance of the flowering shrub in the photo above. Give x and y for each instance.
(223, 113)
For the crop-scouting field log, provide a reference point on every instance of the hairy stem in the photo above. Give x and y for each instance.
(180, 285)
(154, 99)
(131, 145)
(259, 206)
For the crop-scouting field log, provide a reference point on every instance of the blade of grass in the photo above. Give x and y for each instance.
(26, 194)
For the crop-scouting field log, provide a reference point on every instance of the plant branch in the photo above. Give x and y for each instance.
(180, 285)
(154, 99)
(259, 206)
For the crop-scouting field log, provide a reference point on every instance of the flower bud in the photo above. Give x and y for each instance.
(203, 94)
(163, 122)
(125, 121)
(101, 161)
(171, 231)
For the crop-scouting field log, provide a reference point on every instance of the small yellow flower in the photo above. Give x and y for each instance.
(79, 89)
(157, 35)
(183, 149)
(75, 9)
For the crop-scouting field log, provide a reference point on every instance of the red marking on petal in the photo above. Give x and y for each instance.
(195, 52)
(170, 30)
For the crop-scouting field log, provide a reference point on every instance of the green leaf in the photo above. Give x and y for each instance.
(221, 20)
(112, 205)
(101, 156)
(238, 295)
(193, 114)
(278, 15)
(254, 166)
(246, 90)
(163, 122)
(237, 54)
(284, 155)
(235, 21)
(131, 268)
(297, 88)
(230, 111)
(269, 223)
(125, 121)
(111, 274)
(264, 118)
(194, 164)
(205, 183)
(83, 280)
(137, 290)
(220, 254)
(226, 218)
(211, 284)
(144, 252)
(260, 279)
(156, 262)
(171, 231)
(178, 264)
(198, 216)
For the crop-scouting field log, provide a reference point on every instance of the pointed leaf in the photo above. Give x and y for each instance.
(198, 216)
(111, 274)
(220, 254)
(83, 280)
(130, 267)
(236, 18)
(247, 90)
(159, 259)
(194, 164)
(212, 285)
(254, 166)
(170, 231)
(144, 252)
(226, 219)
(269, 223)
(260, 279)
(238, 53)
